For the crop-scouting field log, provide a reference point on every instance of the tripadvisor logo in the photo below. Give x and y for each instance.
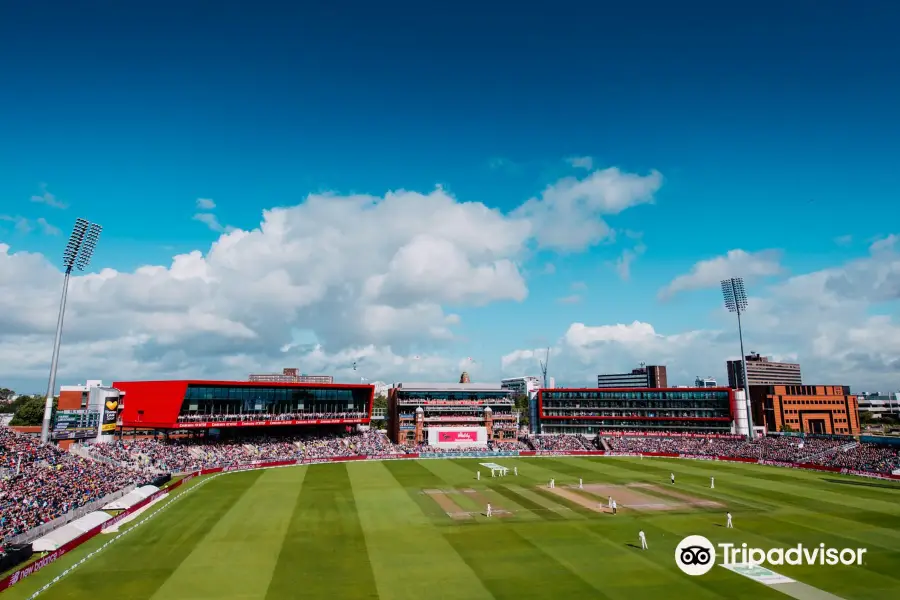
(696, 555)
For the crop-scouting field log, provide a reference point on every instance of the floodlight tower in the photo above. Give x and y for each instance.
(736, 301)
(77, 255)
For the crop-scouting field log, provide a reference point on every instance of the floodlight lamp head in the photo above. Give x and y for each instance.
(734, 294)
(87, 246)
(70, 254)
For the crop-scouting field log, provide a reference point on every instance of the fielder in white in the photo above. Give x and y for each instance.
(728, 524)
(516, 471)
(488, 511)
(672, 477)
(580, 484)
(643, 537)
(552, 484)
(610, 502)
(615, 507)
(478, 475)
(712, 483)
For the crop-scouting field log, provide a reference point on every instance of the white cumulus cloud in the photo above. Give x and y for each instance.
(371, 277)
(568, 215)
(824, 320)
(736, 263)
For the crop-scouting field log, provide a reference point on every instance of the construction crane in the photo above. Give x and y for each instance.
(544, 364)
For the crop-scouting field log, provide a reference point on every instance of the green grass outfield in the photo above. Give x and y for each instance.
(367, 530)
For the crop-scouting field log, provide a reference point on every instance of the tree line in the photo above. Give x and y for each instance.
(27, 410)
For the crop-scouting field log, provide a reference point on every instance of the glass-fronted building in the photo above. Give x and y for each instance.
(213, 404)
(417, 408)
(592, 411)
(209, 400)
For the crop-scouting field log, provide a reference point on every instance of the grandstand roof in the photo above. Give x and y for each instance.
(443, 387)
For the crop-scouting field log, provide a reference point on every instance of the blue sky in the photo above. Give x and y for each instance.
(774, 128)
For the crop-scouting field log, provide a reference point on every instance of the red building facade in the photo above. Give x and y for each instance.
(196, 404)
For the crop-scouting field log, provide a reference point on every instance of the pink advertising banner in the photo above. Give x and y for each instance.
(451, 437)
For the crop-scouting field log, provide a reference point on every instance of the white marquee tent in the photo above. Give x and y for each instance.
(65, 534)
(132, 498)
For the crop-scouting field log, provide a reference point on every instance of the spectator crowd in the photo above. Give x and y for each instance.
(559, 443)
(297, 416)
(827, 452)
(189, 454)
(42, 483)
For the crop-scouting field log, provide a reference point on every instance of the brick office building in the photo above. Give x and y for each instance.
(818, 409)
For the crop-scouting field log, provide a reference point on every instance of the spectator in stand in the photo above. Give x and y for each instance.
(559, 443)
(188, 454)
(865, 457)
(835, 452)
(50, 482)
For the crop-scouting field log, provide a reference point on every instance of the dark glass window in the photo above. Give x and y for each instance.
(280, 400)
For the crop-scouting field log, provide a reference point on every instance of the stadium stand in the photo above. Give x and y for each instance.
(826, 452)
(559, 443)
(191, 454)
(188, 454)
(50, 483)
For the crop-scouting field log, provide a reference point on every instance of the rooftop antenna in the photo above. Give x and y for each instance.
(544, 364)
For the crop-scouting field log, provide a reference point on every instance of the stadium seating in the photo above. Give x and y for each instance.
(827, 452)
(49, 483)
(559, 443)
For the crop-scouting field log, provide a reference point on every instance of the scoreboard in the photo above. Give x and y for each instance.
(75, 425)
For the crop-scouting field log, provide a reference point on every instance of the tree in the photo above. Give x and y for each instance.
(787, 428)
(380, 401)
(890, 419)
(13, 406)
(521, 403)
(31, 411)
(7, 404)
(866, 417)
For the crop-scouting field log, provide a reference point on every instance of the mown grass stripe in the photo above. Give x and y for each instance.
(513, 568)
(413, 477)
(324, 554)
(647, 574)
(410, 558)
(253, 530)
(141, 563)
